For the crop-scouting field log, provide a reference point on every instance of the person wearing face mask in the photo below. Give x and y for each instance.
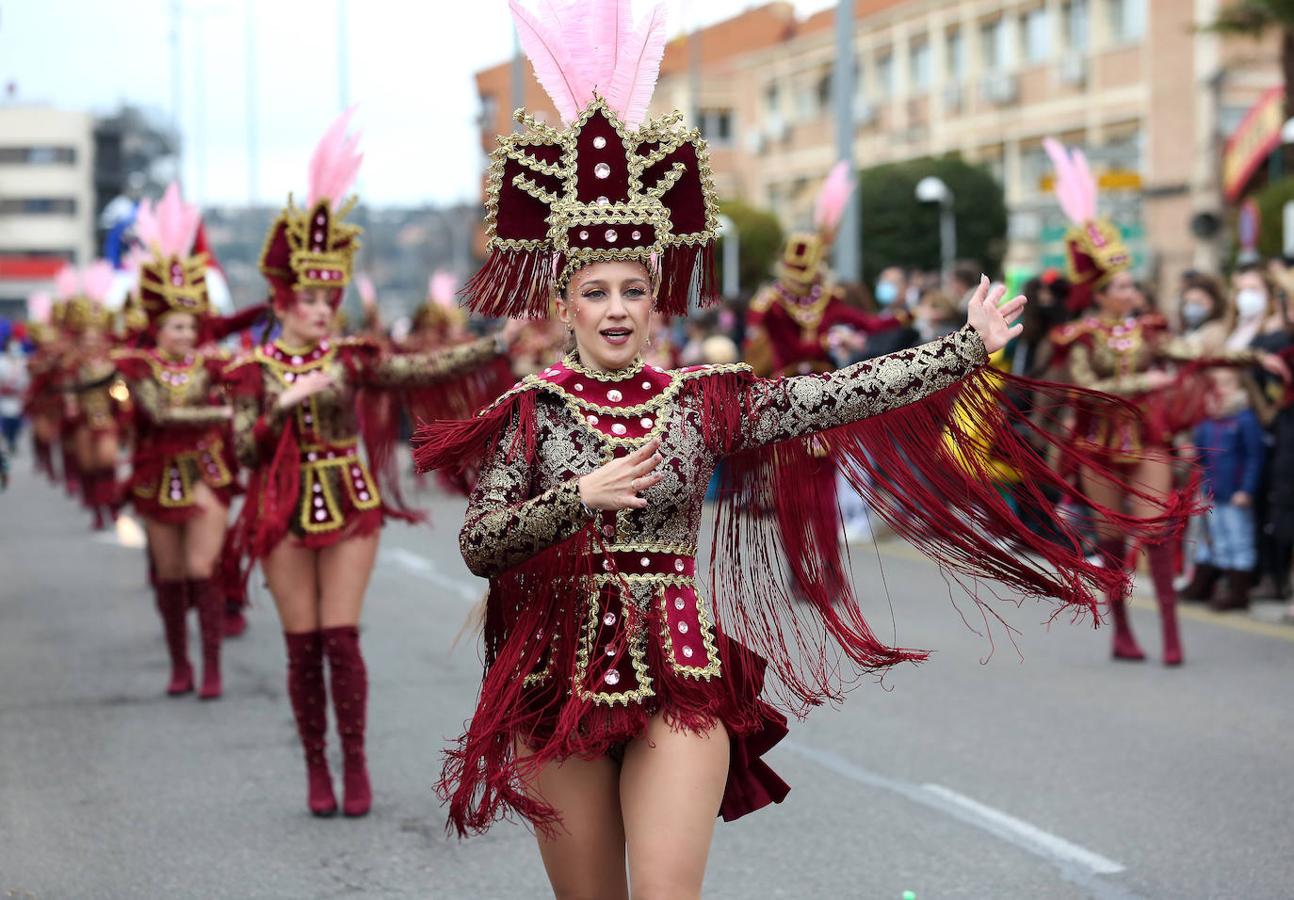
(802, 323)
(1111, 349)
(314, 506)
(623, 706)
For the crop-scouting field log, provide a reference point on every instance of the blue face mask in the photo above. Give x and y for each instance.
(886, 292)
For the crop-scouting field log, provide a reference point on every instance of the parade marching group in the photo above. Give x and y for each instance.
(618, 695)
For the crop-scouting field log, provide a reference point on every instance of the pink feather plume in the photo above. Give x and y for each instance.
(1074, 185)
(833, 197)
(335, 163)
(441, 288)
(39, 307)
(169, 228)
(579, 47)
(97, 279)
(637, 68)
(67, 283)
(367, 290)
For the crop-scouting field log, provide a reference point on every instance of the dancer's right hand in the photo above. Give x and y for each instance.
(303, 388)
(617, 484)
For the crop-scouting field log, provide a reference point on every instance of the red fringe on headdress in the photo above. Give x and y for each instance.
(686, 272)
(927, 468)
(513, 284)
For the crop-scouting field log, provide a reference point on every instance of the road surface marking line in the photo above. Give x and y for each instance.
(1050, 844)
(900, 550)
(421, 566)
(1014, 831)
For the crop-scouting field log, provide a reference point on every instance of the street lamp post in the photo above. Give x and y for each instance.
(933, 190)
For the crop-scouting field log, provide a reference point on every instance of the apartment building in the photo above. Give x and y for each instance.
(47, 200)
(1149, 96)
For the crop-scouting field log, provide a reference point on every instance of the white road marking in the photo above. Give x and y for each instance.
(1048, 844)
(1076, 864)
(424, 568)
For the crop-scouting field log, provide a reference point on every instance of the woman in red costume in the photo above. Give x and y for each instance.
(96, 395)
(313, 507)
(621, 709)
(43, 403)
(1114, 350)
(183, 472)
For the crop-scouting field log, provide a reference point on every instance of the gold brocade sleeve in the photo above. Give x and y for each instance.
(1179, 350)
(252, 430)
(1083, 375)
(148, 395)
(783, 408)
(505, 525)
(418, 369)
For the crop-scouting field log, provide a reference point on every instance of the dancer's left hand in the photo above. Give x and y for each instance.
(995, 324)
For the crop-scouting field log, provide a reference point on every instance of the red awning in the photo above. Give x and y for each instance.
(29, 268)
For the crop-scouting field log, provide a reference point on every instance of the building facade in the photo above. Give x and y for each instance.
(47, 200)
(1148, 95)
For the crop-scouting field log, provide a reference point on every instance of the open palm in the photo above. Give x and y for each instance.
(996, 324)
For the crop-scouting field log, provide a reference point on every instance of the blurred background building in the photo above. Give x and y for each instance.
(1148, 94)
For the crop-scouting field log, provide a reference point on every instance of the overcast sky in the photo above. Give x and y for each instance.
(410, 70)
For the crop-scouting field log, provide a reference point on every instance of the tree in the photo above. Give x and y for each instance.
(1254, 18)
(900, 230)
(760, 238)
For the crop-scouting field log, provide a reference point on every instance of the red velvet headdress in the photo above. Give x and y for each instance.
(313, 247)
(804, 251)
(172, 278)
(605, 187)
(1094, 246)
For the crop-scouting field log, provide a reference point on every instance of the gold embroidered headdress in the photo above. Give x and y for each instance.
(607, 186)
(314, 247)
(172, 278)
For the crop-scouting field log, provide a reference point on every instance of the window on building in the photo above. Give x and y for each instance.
(956, 55)
(993, 45)
(37, 156)
(716, 126)
(773, 99)
(1076, 30)
(1127, 19)
(38, 206)
(885, 74)
(824, 92)
(919, 64)
(1036, 26)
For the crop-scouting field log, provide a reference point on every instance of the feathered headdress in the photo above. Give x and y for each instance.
(804, 250)
(313, 247)
(440, 311)
(1094, 246)
(83, 294)
(608, 185)
(172, 278)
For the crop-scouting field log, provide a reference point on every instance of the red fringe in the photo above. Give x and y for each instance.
(686, 272)
(513, 284)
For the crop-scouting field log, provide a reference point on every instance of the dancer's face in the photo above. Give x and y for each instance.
(309, 319)
(1119, 297)
(608, 304)
(177, 334)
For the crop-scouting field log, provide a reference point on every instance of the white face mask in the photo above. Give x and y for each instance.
(1251, 302)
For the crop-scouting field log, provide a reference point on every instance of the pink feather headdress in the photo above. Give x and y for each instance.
(81, 295)
(40, 307)
(610, 185)
(1094, 246)
(172, 278)
(441, 288)
(314, 247)
(804, 251)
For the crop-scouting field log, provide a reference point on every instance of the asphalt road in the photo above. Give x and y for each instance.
(1048, 772)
